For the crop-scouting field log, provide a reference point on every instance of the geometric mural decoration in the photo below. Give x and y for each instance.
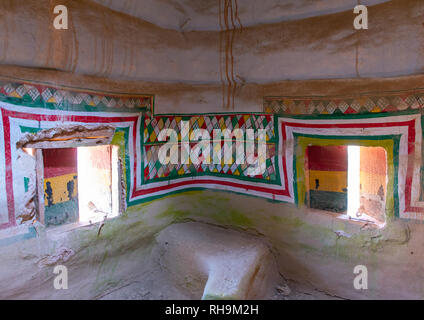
(390, 102)
(154, 170)
(159, 179)
(42, 96)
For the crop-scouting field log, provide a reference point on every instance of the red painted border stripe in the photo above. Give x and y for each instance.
(8, 173)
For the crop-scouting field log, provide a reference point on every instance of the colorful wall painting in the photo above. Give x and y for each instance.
(146, 179)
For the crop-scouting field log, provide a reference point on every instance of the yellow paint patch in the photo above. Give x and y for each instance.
(59, 187)
(328, 180)
(15, 95)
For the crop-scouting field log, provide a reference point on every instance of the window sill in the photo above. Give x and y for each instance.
(367, 221)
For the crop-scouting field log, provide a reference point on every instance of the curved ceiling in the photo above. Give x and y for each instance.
(106, 43)
(188, 15)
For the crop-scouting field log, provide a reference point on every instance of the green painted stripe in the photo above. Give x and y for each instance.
(126, 161)
(67, 106)
(26, 184)
(328, 200)
(61, 213)
(190, 189)
(55, 86)
(25, 129)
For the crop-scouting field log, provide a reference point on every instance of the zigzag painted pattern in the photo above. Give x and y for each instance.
(390, 102)
(42, 96)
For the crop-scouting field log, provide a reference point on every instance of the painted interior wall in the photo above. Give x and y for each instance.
(195, 71)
